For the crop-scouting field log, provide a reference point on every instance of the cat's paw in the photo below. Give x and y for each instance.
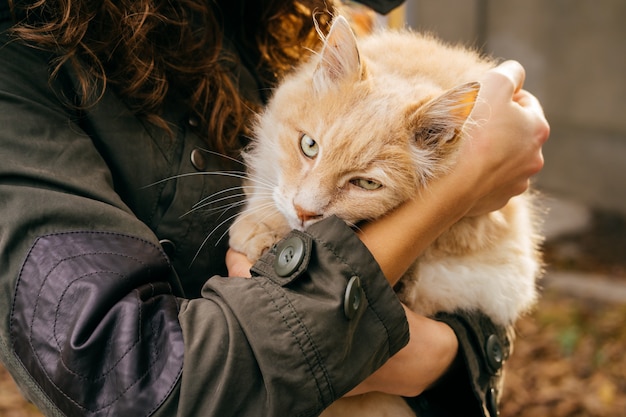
(254, 238)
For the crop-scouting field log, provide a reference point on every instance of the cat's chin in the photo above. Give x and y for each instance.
(294, 224)
(297, 224)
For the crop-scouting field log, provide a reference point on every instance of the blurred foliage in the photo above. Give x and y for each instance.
(568, 361)
(12, 404)
(599, 249)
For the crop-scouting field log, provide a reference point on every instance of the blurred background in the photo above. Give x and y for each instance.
(569, 358)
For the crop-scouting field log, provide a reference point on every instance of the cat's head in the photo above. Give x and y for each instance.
(339, 138)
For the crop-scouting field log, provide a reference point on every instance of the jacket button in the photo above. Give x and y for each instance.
(290, 254)
(492, 403)
(193, 121)
(352, 298)
(168, 247)
(495, 353)
(198, 160)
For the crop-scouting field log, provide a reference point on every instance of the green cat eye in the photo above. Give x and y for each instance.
(366, 184)
(309, 147)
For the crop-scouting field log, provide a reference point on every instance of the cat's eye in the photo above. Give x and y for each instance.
(366, 184)
(309, 147)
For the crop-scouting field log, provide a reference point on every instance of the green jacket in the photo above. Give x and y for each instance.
(110, 299)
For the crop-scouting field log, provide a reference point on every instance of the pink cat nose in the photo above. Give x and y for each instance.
(305, 215)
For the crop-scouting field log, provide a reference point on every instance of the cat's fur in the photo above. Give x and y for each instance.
(386, 116)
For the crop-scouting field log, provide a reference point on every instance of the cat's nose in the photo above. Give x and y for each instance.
(305, 215)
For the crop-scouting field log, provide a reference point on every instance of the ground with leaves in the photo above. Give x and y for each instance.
(569, 356)
(568, 361)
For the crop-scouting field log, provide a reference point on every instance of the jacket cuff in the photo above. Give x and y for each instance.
(477, 377)
(333, 246)
(327, 311)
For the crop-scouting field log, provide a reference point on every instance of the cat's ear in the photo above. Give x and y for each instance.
(439, 122)
(340, 59)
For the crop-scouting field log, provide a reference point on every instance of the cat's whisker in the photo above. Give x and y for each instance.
(230, 158)
(207, 201)
(222, 207)
(222, 235)
(243, 214)
(257, 207)
(219, 200)
(251, 212)
(206, 239)
(237, 216)
(257, 182)
(234, 174)
(260, 185)
(233, 216)
(354, 226)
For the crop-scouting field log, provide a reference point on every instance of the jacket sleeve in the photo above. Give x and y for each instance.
(289, 345)
(90, 324)
(88, 320)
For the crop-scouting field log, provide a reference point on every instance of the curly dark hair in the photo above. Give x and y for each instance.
(150, 51)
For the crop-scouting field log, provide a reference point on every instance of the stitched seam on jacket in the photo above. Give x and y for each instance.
(332, 250)
(14, 298)
(121, 394)
(56, 314)
(288, 304)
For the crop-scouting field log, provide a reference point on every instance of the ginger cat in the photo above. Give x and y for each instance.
(358, 129)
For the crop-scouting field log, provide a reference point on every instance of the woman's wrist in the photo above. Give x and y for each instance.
(398, 238)
(430, 353)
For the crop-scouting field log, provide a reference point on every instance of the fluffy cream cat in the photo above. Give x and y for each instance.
(362, 127)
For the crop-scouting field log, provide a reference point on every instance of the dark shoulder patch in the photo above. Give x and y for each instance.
(95, 323)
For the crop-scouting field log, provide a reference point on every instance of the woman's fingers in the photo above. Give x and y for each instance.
(510, 74)
(238, 264)
(503, 149)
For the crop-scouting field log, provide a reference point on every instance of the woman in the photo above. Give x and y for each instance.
(111, 303)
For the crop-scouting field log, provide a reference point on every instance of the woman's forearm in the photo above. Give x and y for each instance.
(398, 238)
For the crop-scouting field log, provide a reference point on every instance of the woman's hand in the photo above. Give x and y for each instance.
(502, 149)
(238, 264)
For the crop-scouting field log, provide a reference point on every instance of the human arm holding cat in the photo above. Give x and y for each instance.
(500, 152)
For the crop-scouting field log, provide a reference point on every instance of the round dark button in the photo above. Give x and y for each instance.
(198, 160)
(168, 247)
(495, 353)
(492, 403)
(193, 121)
(290, 254)
(353, 297)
